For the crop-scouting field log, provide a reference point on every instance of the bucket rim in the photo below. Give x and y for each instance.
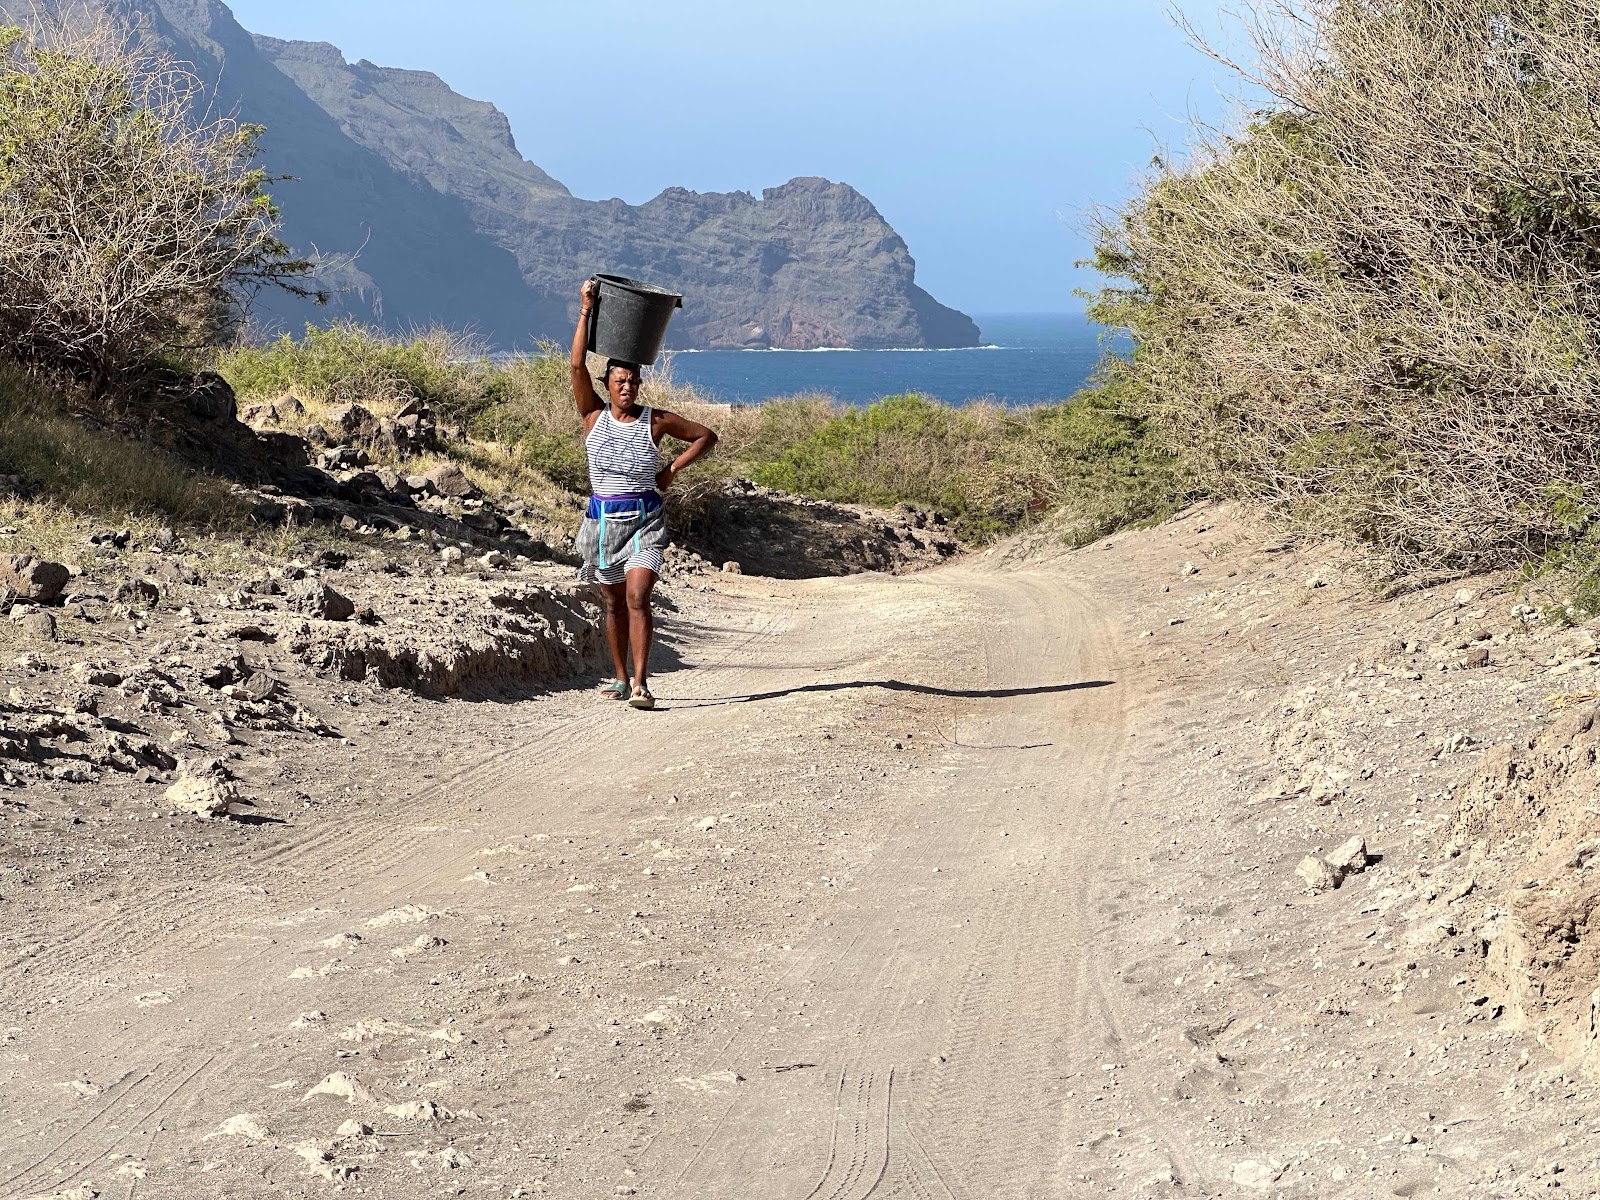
(637, 285)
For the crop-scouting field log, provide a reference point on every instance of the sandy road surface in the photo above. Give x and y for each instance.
(826, 925)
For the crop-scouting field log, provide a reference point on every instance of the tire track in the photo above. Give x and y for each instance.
(164, 1082)
(1006, 947)
(336, 849)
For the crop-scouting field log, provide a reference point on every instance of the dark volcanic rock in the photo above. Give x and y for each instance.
(317, 599)
(211, 397)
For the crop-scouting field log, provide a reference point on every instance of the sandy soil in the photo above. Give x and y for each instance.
(973, 883)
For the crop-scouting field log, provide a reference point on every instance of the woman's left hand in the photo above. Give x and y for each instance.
(664, 478)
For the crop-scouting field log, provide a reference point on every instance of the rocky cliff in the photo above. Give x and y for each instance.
(423, 211)
(811, 263)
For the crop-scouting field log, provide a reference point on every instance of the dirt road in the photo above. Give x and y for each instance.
(978, 883)
(825, 925)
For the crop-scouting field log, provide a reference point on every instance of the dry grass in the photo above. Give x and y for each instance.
(71, 468)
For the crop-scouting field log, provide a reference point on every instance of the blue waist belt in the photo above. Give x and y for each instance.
(628, 502)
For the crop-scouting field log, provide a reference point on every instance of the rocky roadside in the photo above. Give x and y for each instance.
(1373, 916)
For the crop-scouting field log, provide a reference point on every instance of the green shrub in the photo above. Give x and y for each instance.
(349, 363)
(900, 448)
(1106, 468)
(989, 469)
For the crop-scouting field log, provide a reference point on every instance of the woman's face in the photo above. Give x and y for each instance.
(624, 386)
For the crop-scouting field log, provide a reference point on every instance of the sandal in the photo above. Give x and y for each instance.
(613, 689)
(642, 698)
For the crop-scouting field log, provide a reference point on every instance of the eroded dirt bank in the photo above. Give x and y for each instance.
(974, 883)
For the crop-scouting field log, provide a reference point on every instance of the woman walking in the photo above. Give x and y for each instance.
(624, 530)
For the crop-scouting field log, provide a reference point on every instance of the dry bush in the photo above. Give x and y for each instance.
(132, 223)
(1376, 302)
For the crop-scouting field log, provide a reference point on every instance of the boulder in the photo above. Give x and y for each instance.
(205, 795)
(36, 622)
(32, 580)
(353, 423)
(96, 675)
(317, 599)
(257, 688)
(211, 398)
(344, 458)
(286, 449)
(449, 480)
(484, 521)
(1350, 858)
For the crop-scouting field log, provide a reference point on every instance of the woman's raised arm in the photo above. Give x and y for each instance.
(583, 392)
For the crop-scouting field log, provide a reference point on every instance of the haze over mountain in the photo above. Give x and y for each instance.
(422, 210)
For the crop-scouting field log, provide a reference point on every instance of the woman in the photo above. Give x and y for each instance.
(625, 530)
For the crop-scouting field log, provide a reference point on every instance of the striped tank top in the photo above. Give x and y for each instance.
(622, 455)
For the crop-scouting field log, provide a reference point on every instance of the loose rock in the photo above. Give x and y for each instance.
(204, 789)
(32, 580)
(317, 599)
(1350, 858)
(1319, 875)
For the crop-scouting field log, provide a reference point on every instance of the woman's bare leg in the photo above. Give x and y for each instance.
(641, 621)
(616, 595)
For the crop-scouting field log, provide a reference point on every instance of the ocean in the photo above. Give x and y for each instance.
(1026, 358)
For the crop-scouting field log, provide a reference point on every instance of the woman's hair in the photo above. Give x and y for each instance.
(617, 362)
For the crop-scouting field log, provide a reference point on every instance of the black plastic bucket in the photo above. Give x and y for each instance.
(630, 319)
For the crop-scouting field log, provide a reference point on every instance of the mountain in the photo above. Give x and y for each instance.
(423, 211)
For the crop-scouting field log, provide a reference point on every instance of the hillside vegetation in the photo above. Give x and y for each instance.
(989, 468)
(1376, 305)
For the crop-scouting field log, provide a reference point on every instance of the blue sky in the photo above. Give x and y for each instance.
(982, 129)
